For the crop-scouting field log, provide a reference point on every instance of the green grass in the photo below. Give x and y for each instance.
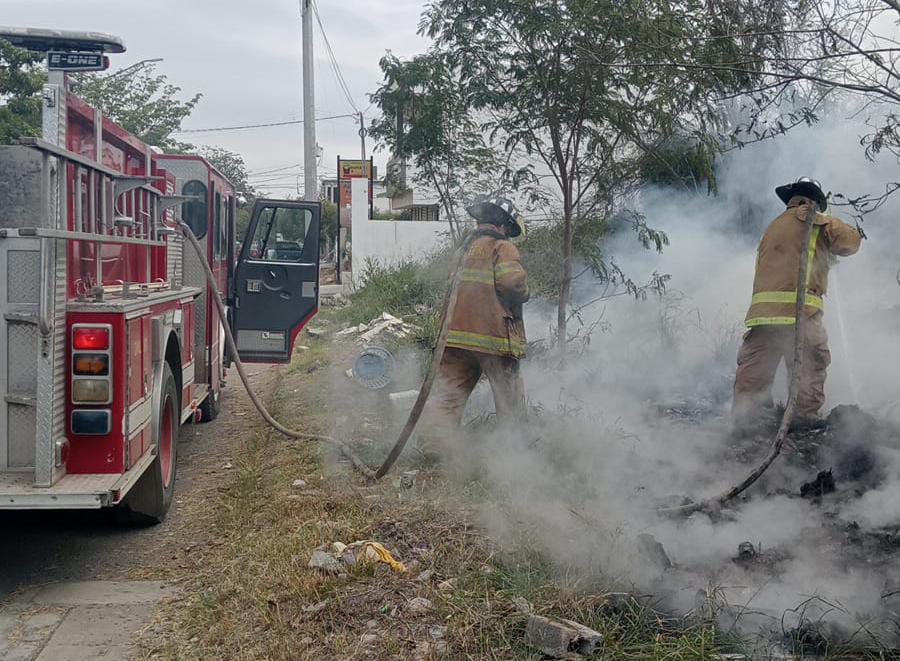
(250, 595)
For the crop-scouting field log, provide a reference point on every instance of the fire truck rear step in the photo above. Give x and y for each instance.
(92, 491)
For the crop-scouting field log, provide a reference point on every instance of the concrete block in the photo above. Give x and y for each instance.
(561, 639)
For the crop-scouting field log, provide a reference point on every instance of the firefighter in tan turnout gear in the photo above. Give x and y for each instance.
(487, 335)
(770, 319)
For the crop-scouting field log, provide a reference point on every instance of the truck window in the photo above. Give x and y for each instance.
(280, 234)
(222, 251)
(194, 212)
(217, 227)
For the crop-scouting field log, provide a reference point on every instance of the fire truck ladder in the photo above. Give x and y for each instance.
(33, 261)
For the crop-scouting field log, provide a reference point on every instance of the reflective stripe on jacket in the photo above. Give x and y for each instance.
(488, 313)
(775, 284)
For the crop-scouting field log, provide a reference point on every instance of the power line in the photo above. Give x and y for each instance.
(286, 167)
(339, 76)
(259, 126)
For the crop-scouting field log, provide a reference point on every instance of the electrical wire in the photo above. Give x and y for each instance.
(259, 126)
(281, 169)
(339, 76)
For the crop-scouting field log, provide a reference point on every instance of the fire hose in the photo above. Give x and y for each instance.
(793, 390)
(449, 305)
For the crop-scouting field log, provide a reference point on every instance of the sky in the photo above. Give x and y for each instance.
(243, 56)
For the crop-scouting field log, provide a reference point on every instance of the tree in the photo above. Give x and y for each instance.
(576, 135)
(793, 59)
(140, 101)
(231, 164)
(21, 80)
(426, 116)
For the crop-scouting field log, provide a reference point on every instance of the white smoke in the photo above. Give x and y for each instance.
(584, 482)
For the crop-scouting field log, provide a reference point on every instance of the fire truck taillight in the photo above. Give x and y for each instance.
(90, 364)
(91, 369)
(91, 421)
(90, 391)
(91, 338)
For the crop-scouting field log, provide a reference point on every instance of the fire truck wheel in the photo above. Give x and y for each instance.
(209, 408)
(149, 499)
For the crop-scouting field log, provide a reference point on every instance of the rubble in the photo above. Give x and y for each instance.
(403, 399)
(335, 301)
(522, 605)
(447, 586)
(823, 484)
(560, 638)
(419, 605)
(385, 327)
(325, 562)
(653, 551)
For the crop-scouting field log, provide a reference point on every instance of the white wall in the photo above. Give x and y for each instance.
(388, 241)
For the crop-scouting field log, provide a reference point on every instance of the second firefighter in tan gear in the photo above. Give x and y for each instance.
(487, 334)
(771, 317)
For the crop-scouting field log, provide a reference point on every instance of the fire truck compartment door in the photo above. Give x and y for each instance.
(276, 282)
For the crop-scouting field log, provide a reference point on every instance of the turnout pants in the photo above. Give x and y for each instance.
(460, 371)
(763, 349)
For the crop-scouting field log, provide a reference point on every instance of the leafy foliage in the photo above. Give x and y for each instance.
(425, 104)
(21, 79)
(231, 164)
(141, 101)
(577, 132)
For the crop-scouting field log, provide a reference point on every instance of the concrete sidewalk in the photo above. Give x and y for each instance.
(78, 621)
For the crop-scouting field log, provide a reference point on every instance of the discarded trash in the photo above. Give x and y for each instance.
(561, 638)
(348, 555)
(298, 484)
(374, 368)
(746, 551)
(408, 479)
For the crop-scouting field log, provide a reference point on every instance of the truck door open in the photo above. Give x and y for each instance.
(276, 282)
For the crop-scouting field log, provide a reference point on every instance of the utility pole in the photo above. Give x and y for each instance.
(362, 138)
(311, 185)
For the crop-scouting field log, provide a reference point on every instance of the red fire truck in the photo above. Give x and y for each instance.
(109, 337)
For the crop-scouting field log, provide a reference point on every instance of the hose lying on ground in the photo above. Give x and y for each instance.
(446, 315)
(793, 390)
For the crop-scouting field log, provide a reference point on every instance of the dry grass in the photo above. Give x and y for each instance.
(250, 594)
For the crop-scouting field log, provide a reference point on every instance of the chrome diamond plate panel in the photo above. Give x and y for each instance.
(23, 273)
(22, 351)
(20, 432)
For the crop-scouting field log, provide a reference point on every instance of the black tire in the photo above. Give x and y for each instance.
(149, 499)
(209, 407)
